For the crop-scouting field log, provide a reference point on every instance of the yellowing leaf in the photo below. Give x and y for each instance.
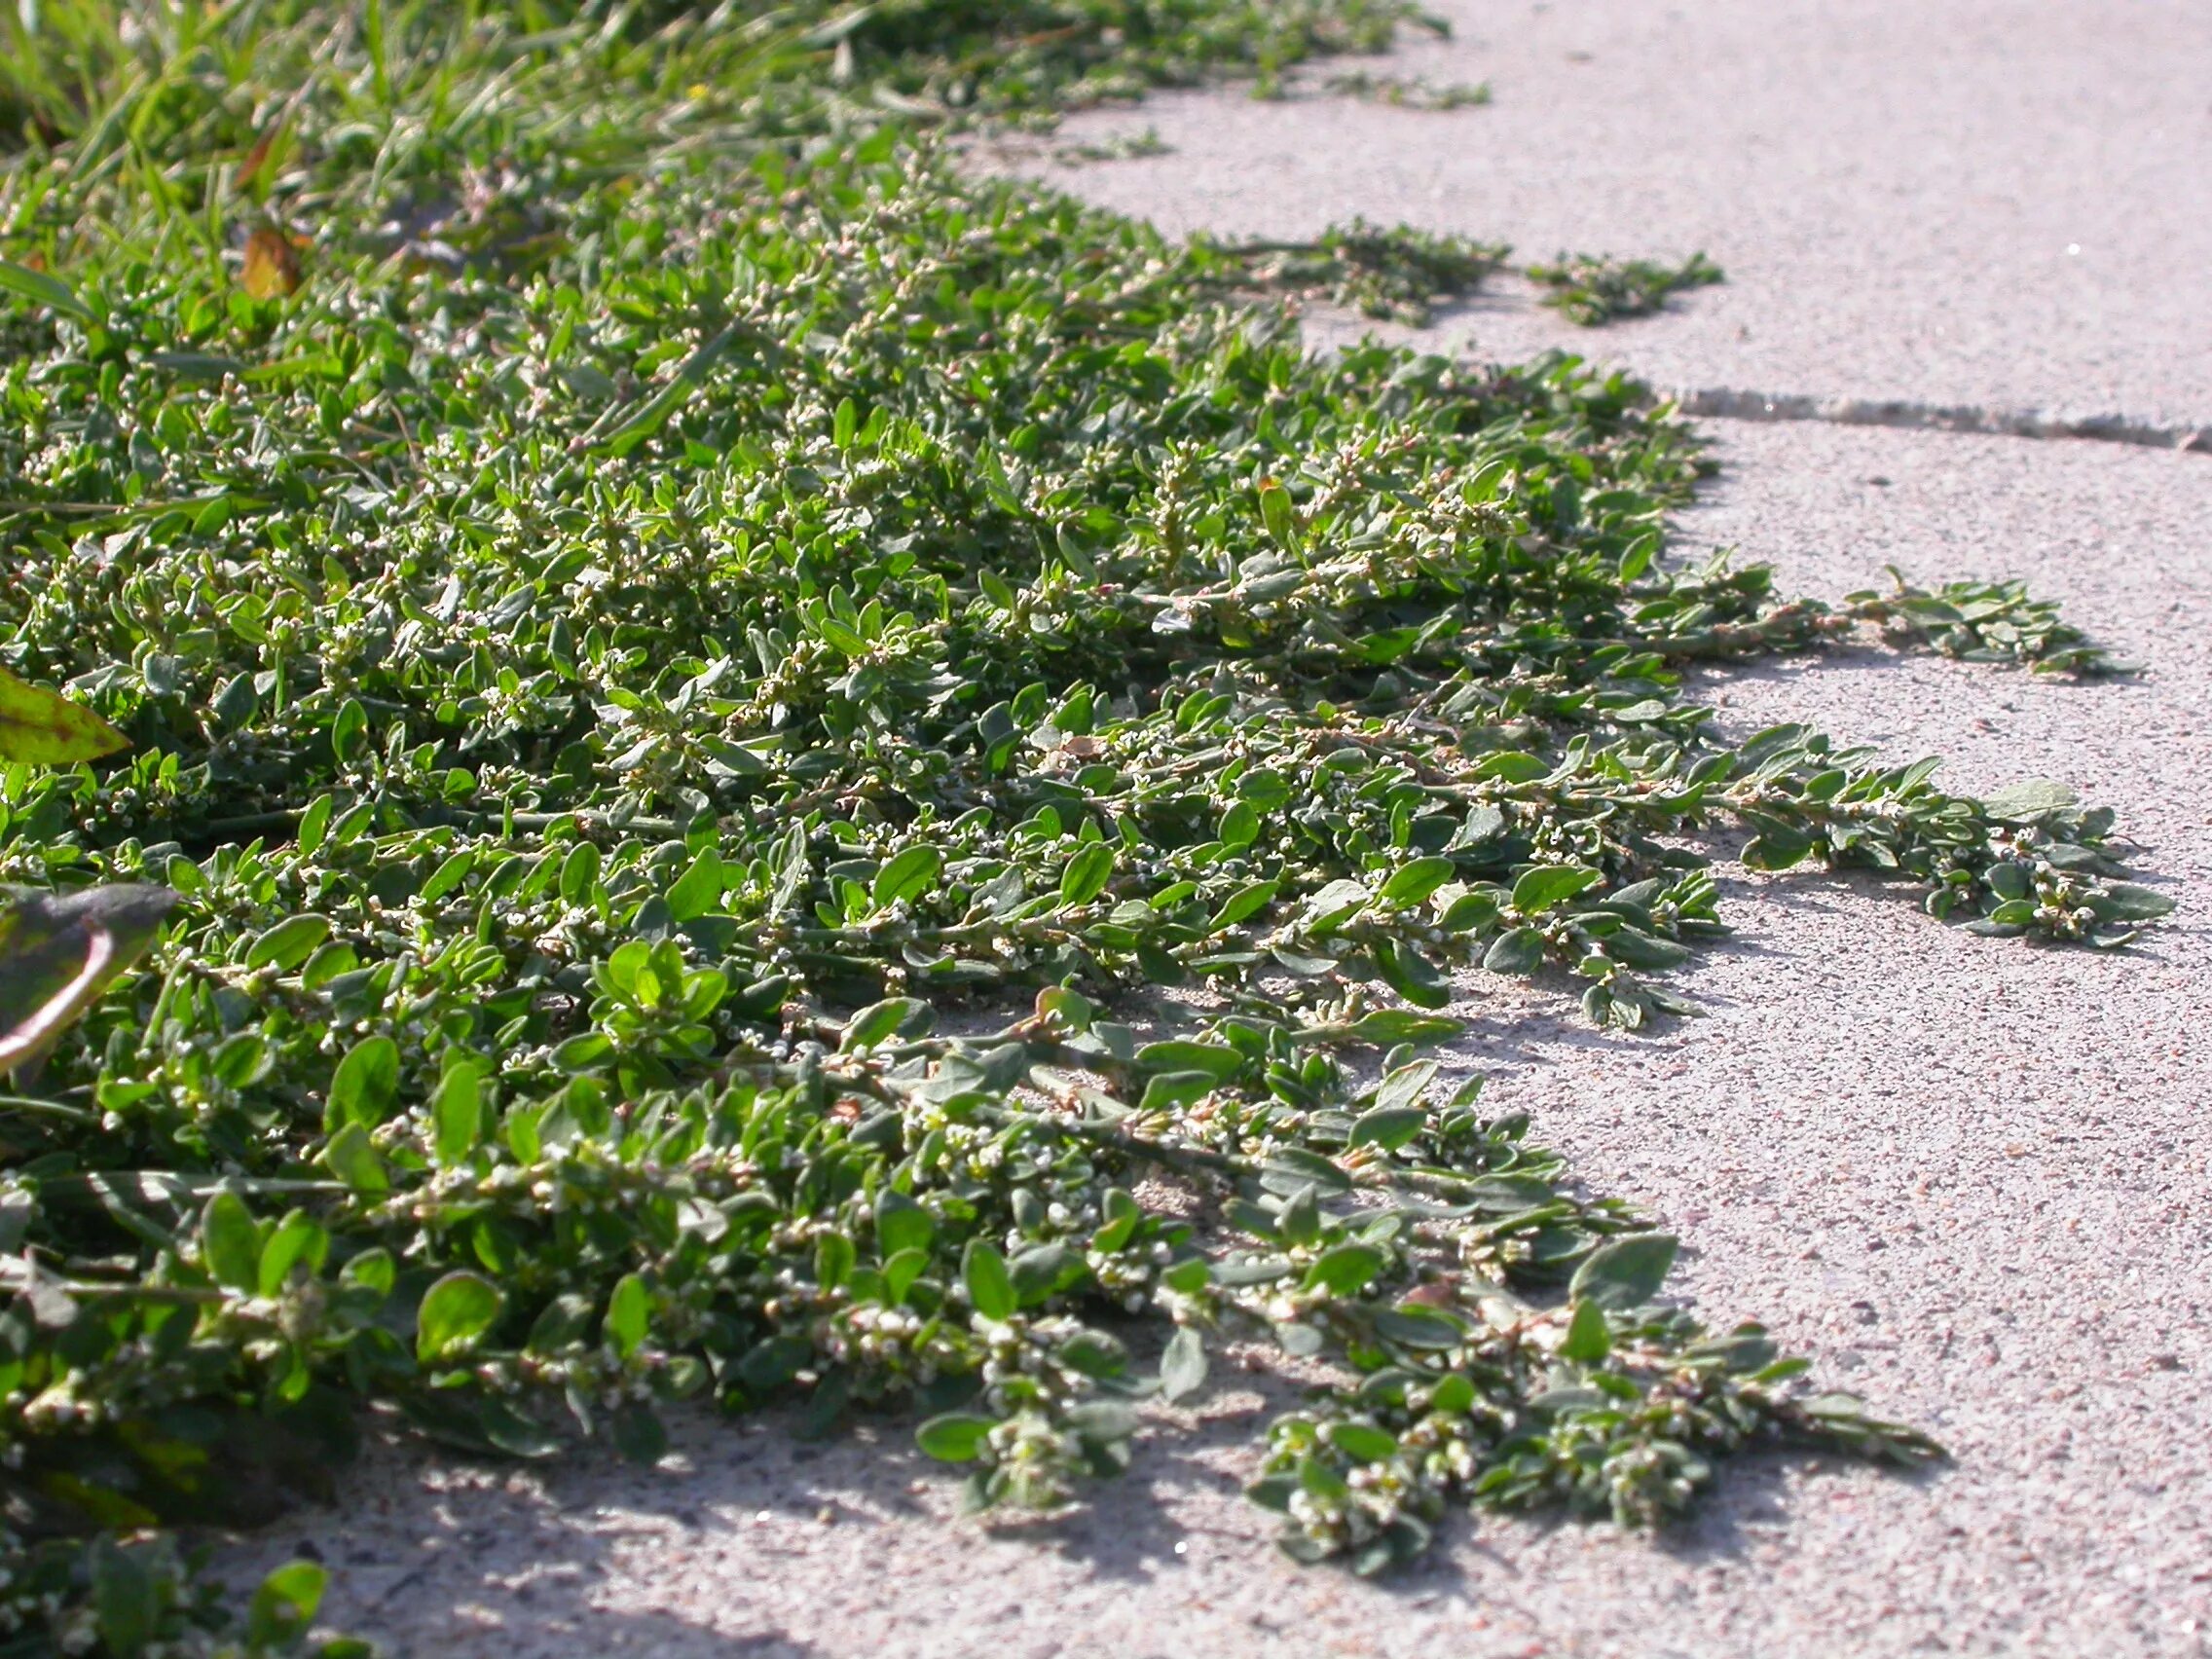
(271, 265)
(49, 730)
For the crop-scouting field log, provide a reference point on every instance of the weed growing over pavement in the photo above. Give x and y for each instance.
(1121, 147)
(691, 676)
(1407, 91)
(1595, 289)
(1395, 274)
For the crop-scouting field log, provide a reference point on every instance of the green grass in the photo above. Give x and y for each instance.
(691, 681)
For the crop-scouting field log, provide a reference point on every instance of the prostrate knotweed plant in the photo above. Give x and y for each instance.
(1397, 274)
(688, 672)
(1593, 290)
(1408, 93)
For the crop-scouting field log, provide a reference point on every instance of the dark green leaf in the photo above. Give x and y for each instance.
(1183, 1366)
(638, 1434)
(365, 1084)
(901, 1224)
(1549, 885)
(1086, 874)
(1413, 883)
(231, 1243)
(907, 875)
(127, 1603)
(289, 944)
(1520, 950)
(990, 1287)
(1588, 1338)
(1624, 1273)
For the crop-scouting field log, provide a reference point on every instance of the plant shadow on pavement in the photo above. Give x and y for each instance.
(474, 1562)
(463, 1558)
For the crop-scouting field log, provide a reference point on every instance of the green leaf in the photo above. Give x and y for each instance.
(2126, 901)
(653, 412)
(289, 944)
(299, 1241)
(314, 825)
(1217, 1061)
(1345, 1270)
(1183, 1366)
(1413, 883)
(348, 731)
(638, 1434)
(990, 1287)
(230, 1243)
(699, 890)
(1163, 1092)
(458, 1112)
(365, 1084)
(1412, 974)
(1519, 950)
(508, 1430)
(1405, 1086)
(1625, 1273)
(1777, 849)
(901, 1271)
(901, 1224)
(1094, 1353)
(1588, 1338)
(283, 1607)
(1549, 885)
(1420, 1328)
(352, 1157)
(879, 1020)
(834, 1256)
(126, 1602)
(1043, 1271)
(1318, 1478)
(1243, 904)
(1086, 874)
(1099, 1422)
(1454, 1393)
(458, 1308)
(1387, 1126)
(906, 875)
(1277, 514)
(2029, 801)
(1363, 1443)
(955, 1437)
(1644, 952)
(1390, 1027)
(629, 1314)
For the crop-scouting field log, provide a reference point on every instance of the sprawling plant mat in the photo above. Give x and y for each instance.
(759, 771)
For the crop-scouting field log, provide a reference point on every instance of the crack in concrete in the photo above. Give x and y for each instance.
(1728, 403)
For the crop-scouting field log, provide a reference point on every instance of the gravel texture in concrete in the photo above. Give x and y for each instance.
(1971, 1177)
(1999, 203)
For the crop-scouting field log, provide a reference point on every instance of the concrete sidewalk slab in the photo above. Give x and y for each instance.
(1996, 203)
(1971, 1177)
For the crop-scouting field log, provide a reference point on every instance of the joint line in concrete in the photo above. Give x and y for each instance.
(1731, 404)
